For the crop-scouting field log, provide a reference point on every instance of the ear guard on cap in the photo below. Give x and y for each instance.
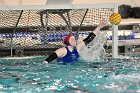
(65, 39)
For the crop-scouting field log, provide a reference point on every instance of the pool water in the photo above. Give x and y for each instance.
(34, 76)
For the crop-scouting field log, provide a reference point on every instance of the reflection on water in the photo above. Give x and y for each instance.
(108, 75)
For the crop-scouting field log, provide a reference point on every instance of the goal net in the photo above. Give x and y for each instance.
(37, 32)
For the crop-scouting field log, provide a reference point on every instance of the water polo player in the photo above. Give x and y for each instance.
(70, 53)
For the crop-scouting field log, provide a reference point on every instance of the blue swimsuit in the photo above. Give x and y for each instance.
(70, 57)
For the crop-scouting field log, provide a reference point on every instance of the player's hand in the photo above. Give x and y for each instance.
(45, 62)
(103, 23)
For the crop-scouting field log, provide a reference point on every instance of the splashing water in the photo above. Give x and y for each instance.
(94, 50)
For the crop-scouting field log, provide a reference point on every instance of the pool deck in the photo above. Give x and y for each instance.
(24, 57)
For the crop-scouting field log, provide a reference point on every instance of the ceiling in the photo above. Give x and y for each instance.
(133, 3)
(44, 2)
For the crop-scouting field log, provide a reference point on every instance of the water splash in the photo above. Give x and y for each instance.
(94, 50)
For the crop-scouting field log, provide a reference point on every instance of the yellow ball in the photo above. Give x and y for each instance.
(115, 18)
